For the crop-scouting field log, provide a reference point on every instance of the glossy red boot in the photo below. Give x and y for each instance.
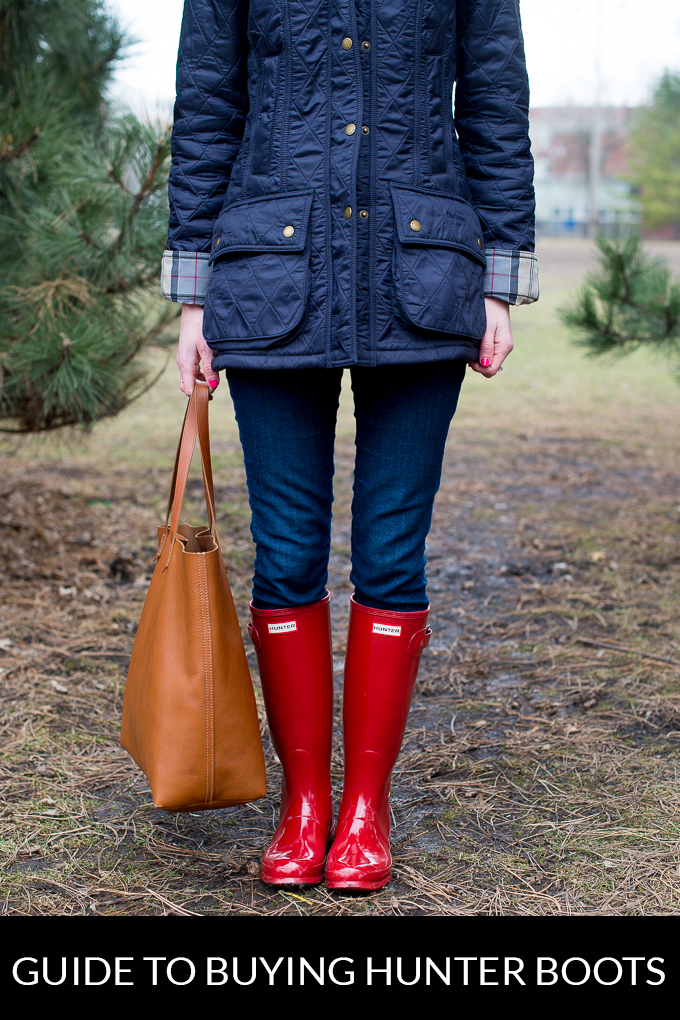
(294, 655)
(383, 655)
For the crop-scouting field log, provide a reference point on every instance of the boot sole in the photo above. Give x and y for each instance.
(365, 884)
(292, 882)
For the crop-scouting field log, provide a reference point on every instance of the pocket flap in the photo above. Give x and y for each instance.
(277, 223)
(437, 220)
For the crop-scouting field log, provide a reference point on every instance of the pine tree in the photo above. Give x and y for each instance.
(631, 301)
(655, 155)
(83, 218)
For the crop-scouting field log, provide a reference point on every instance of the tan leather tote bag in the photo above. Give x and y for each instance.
(189, 714)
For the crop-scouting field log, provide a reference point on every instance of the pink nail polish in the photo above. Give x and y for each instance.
(212, 383)
(485, 362)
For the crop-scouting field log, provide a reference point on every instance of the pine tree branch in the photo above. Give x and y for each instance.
(671, 320)
(146, 188)
(20, 150)
(120, 182)
(89, 241)
(102, 65)
(629, 302)
(152, 382)
(124, 284)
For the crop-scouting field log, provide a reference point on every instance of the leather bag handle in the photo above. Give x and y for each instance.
(195, 419)
(195, 423)
(206, 460)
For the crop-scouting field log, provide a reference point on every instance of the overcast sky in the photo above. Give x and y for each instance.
(637, 41)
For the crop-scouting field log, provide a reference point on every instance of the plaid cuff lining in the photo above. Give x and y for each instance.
(184, 276)
(511, 276)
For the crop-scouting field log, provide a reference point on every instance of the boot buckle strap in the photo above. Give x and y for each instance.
(254, 636)
(419, 642)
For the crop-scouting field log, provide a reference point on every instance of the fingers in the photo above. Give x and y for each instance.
(486, 347)
(193, 352)
(488, 366)
(497, 341)
(188, 369)
(487, 353)
(206, 355)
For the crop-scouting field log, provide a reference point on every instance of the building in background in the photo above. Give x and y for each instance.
(580, 156)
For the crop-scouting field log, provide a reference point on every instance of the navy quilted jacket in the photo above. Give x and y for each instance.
(326, 202)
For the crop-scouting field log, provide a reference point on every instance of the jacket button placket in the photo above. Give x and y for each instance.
(365, 186)
(347, 104)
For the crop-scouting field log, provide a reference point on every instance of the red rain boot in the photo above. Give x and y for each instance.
(383, 655)
(295, 659)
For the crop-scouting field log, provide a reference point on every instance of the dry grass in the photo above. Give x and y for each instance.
(539, 772)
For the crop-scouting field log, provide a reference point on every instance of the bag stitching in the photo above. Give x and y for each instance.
(205, 664)
(211, 681)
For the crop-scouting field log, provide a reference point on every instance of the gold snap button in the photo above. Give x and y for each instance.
(479, 242)
(217, 242)
(348, 212)
(350, 129)
(363, 213)
(416, 225)
(366, 45)
(365, 129)
(288, 231)
(346, 43)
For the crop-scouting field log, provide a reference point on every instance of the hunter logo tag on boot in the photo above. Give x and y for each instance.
(384, 628)
(279, 628)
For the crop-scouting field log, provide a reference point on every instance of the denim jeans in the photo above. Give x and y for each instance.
(287, 422)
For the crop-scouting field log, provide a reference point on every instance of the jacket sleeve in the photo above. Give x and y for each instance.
(210, 111)
(492, 123)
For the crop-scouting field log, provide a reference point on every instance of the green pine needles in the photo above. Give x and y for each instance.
(630, 301)
(655, 154)
(83, 220)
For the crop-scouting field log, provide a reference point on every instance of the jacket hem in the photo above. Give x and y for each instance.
(276, 361)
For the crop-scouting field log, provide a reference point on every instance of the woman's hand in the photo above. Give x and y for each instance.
(497, 341)
(194, 357)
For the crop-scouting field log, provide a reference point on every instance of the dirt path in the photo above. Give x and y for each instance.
(539, 771)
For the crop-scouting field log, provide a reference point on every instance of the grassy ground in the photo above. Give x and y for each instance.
(539, 770)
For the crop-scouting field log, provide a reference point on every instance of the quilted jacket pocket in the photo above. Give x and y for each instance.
(259, 286)
(438, 262)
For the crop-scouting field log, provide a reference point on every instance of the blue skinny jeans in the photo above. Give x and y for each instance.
(287, 423)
